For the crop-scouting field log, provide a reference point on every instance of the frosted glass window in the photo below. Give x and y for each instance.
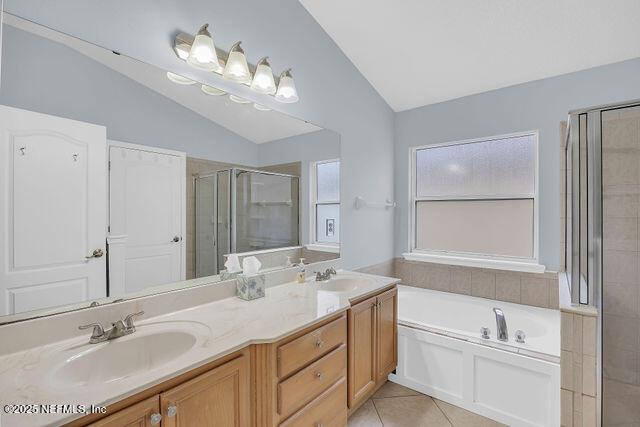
(490, 227)
(495, 167)
(328, 181)
(328, 223)
(477, 197)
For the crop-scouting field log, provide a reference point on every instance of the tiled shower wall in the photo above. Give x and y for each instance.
(578, 369)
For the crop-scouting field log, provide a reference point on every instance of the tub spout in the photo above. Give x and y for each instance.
(501, 324)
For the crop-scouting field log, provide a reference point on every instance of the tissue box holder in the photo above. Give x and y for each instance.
(250, 287)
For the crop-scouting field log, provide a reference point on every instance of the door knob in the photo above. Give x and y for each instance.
(176, 239)
(95, 254)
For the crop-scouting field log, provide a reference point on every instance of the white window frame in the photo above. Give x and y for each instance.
(474, 259)
(314, 245)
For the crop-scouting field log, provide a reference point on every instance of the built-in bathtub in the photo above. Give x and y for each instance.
(441, 353)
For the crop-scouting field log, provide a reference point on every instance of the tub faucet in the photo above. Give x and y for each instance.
(501, 324)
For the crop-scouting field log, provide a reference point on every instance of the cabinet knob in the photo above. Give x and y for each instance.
(319, 343)
(155, 419)
(172, 410)
(319, 375)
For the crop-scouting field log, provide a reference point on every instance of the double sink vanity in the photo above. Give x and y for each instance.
(304, 355)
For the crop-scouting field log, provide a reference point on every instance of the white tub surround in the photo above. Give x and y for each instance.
(28, 376)
(441, 353)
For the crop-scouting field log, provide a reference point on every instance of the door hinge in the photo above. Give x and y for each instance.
(109, 165)
(108, 228)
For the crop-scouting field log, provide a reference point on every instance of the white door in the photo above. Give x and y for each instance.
(53, 211)
(146, 217)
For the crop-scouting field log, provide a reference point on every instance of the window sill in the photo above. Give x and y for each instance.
(497, 264)
(334, 249)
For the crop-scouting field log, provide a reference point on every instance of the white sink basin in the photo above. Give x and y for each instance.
(344, 284)
(150, 347)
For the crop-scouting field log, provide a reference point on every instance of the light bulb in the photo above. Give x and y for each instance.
(210, 90)
(263, 78)
(177, 78)
(287, 92)
(236, 68)
(203, 52)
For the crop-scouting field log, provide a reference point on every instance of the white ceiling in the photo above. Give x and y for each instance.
(419, 52)
(242, 119)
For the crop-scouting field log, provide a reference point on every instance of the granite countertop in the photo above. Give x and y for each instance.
(221, 327)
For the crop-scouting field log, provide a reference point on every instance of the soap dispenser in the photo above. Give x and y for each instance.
(301, 276)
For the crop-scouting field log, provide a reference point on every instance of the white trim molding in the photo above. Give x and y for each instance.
(491, 263)
(319, 247)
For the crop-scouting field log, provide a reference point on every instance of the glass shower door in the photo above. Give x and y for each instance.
(265, 211)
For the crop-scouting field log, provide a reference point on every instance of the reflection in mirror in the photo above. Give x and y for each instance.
(124, 180)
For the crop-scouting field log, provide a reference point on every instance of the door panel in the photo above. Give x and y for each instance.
(362, 350)
(146, 194)
(387, 333)
(218, 398)
(52, 211)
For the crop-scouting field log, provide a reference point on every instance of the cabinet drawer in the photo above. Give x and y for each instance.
(327, 410)
(299, 352)
(307, 384)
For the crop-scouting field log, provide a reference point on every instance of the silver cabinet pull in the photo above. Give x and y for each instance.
(155, 419)
(172, 410)
(319, 343)
(97, 253)
(319, 375)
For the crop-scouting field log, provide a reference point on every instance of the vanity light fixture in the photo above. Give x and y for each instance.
(238, 99)
(263, 81)
(287, 92)
(177, 78)
(202, 54)
(210, 90)
(261, 107)
(237, 68)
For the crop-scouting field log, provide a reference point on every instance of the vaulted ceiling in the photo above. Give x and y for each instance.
(419, 52)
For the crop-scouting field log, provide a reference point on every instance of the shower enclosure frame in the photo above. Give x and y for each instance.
(231, 200)
(594, 283)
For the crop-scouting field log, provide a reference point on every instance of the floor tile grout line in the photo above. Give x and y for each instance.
(435, 402)
(375, 408)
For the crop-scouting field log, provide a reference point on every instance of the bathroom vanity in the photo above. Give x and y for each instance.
(305, 355)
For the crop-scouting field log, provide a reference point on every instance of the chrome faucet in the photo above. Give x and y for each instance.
(501, 324)
(322, 277)
(118, 329)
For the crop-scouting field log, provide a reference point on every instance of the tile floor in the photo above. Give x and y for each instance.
(396, 406)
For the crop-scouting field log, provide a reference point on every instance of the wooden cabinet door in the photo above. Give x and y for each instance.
(141, 414)
(362, 350)
(387, 325)
(217, 398)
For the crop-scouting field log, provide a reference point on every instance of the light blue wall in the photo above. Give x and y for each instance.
(333, 94)
(539, 105)
(48, 77)
(307, 148)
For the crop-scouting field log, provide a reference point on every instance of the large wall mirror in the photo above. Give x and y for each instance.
(119, 179)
